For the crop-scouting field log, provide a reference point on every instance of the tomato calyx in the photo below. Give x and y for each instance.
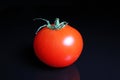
(56, 26)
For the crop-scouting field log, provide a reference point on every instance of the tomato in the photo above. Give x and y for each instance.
(58, 45)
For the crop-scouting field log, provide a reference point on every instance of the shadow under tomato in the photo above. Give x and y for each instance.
(29, 58)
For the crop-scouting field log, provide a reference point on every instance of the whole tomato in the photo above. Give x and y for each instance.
(58, 44)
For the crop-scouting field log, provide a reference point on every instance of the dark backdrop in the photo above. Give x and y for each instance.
(98, 22)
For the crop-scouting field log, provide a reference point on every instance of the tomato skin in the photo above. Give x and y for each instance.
(58, 48)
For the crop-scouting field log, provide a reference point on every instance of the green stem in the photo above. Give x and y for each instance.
(57, 25)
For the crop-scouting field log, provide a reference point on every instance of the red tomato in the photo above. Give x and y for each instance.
(58, 47)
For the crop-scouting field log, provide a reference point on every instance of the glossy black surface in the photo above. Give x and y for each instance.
(99, 25)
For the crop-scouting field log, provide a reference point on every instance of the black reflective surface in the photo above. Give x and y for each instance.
(100, 59)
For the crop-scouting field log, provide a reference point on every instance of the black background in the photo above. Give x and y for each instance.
(97, 21)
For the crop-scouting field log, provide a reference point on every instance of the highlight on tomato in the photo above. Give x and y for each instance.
(58, 44)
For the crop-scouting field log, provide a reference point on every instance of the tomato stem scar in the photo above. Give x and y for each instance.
(56, 26)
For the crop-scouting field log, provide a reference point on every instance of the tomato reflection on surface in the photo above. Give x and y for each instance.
(68, 73)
